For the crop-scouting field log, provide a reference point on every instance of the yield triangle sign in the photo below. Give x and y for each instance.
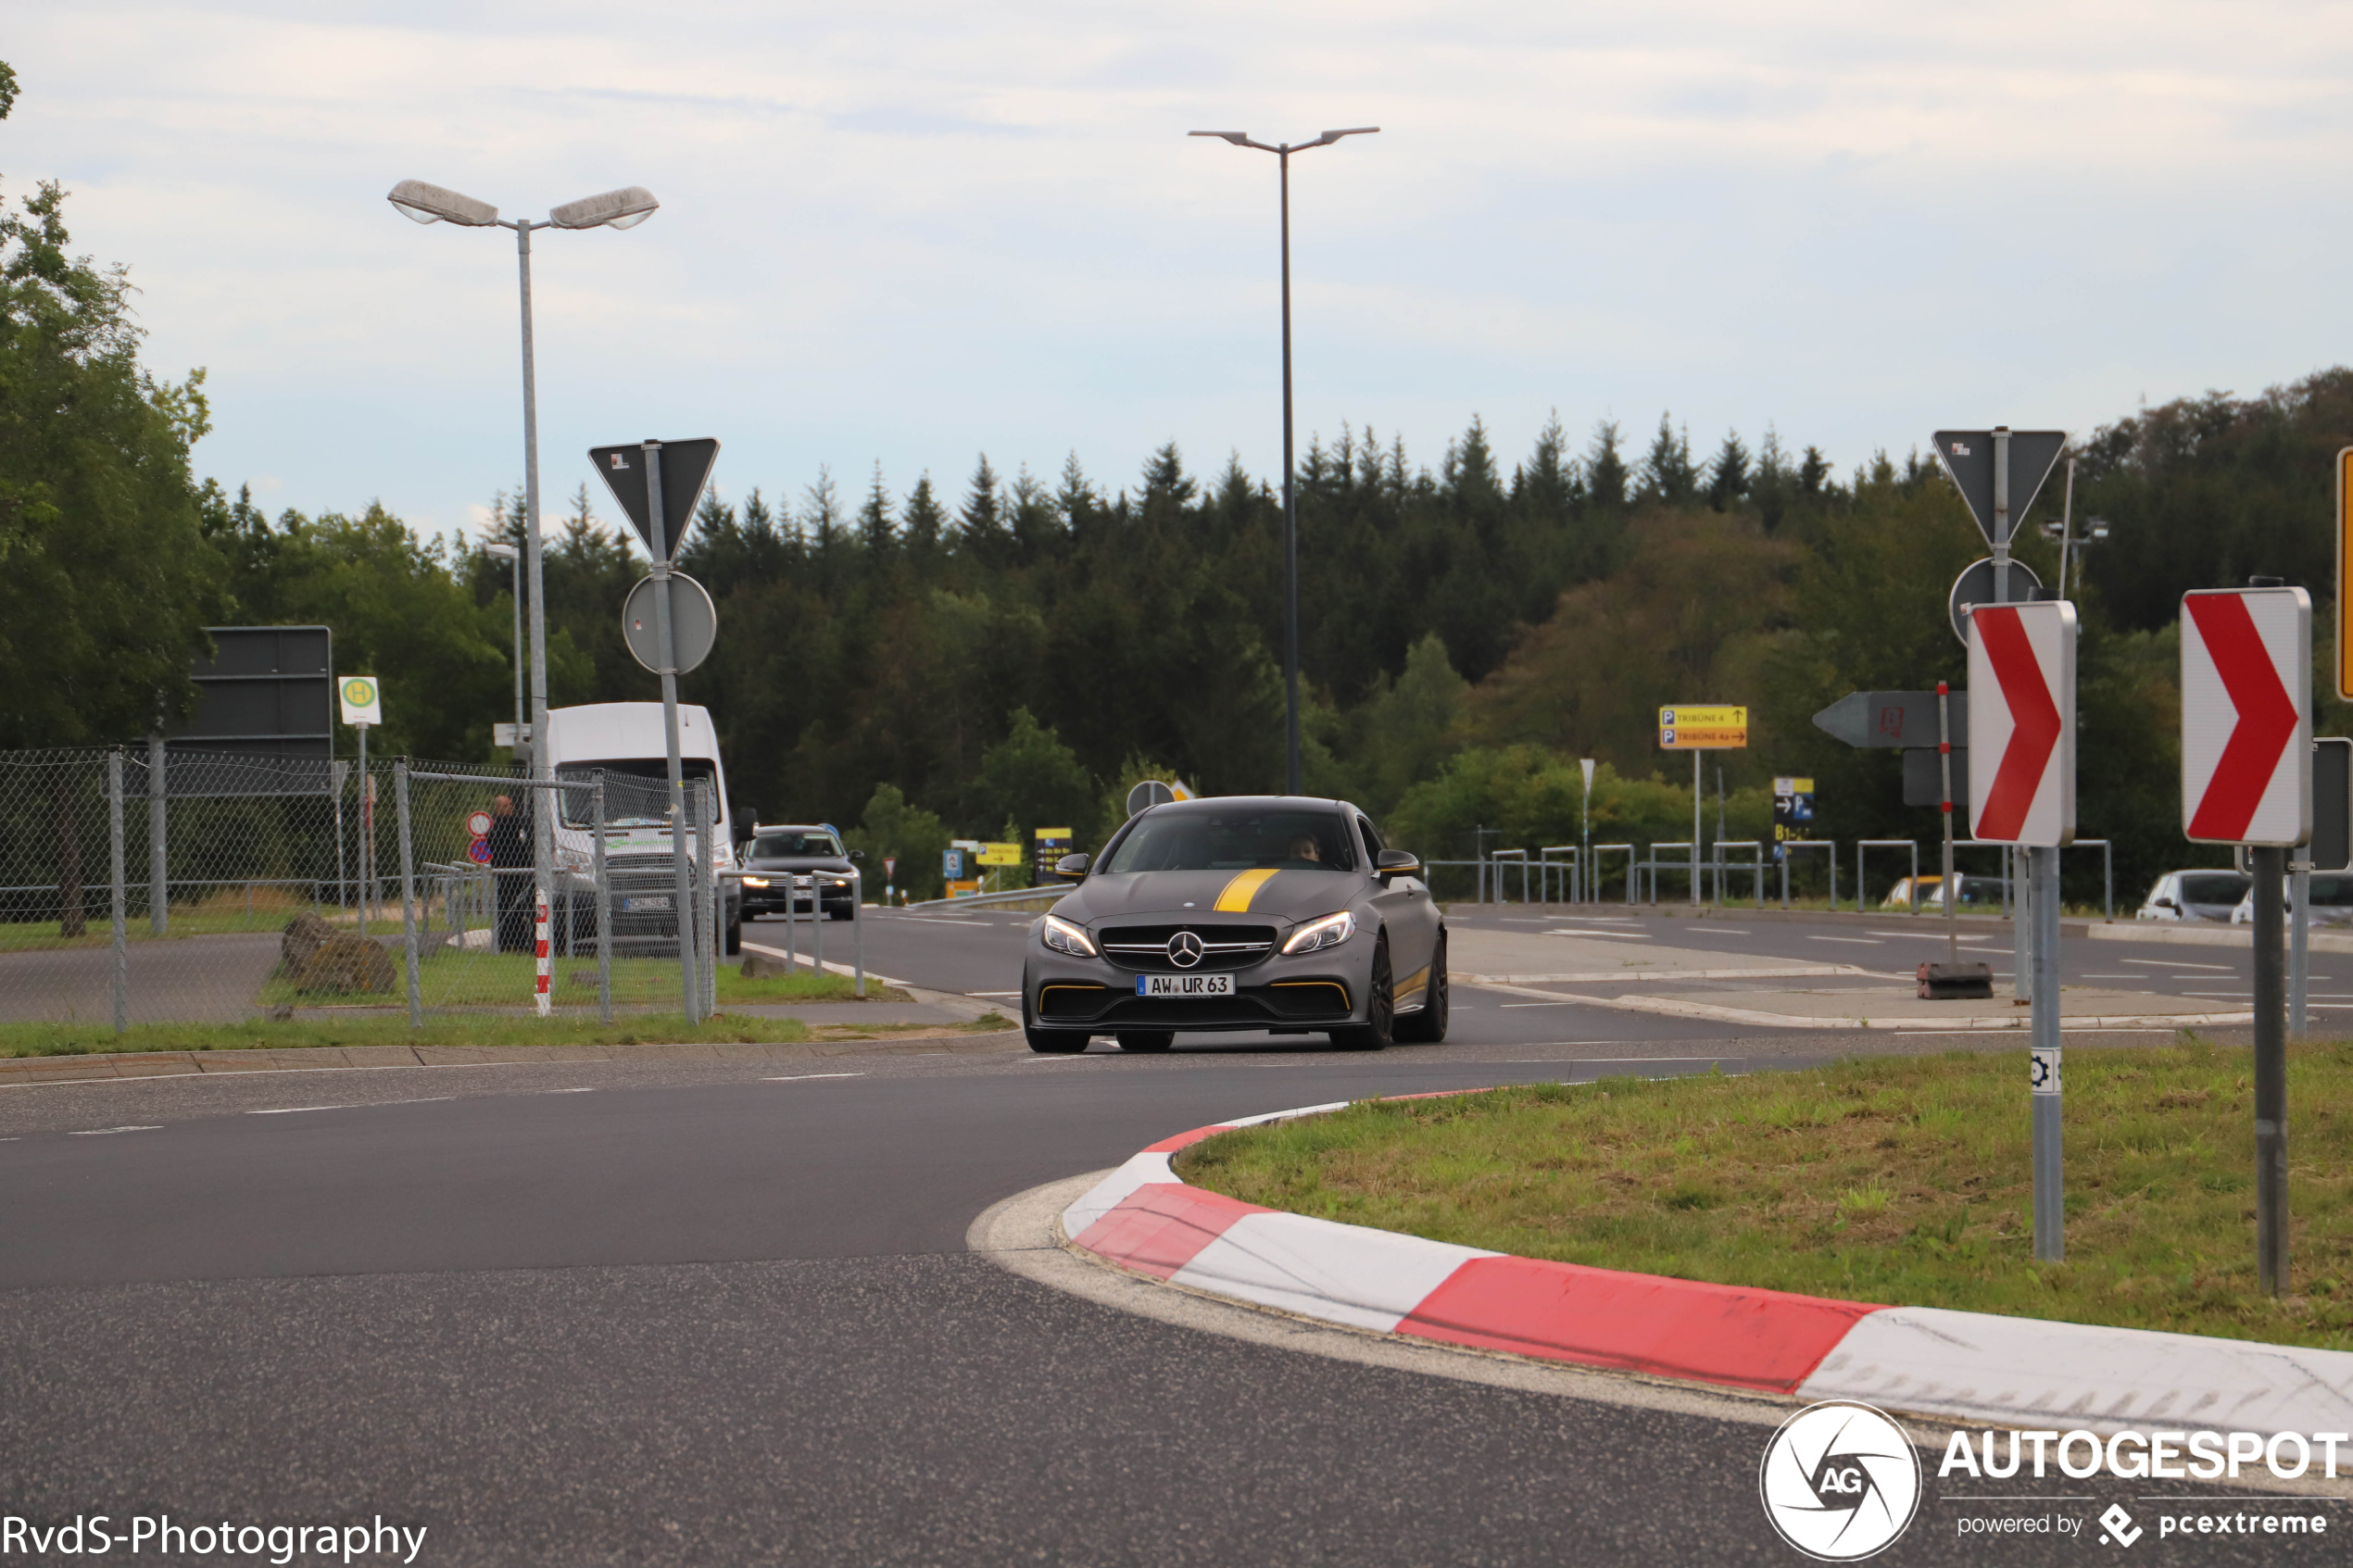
(2247, 716)
(2021, 758)
(1969, 460)
(686, 468)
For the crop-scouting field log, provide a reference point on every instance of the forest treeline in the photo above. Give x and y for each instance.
(1011, 652)
(1014, 654)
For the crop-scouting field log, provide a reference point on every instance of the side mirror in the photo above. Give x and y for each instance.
(1397, 862)
(857, 854)
(1071, 868)
(2169, 904)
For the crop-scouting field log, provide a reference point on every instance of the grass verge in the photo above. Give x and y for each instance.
(450, 977)
(392, 1029)
(1892, 1180)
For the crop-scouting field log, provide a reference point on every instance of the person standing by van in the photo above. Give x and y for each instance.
(510, 867)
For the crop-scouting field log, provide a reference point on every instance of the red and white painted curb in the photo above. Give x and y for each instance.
(1964, 1367)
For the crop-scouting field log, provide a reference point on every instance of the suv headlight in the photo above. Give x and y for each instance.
(755, 882)
(1317, 934)
(574, 860)
(1064, 937)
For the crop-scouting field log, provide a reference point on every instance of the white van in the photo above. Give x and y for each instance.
(624, 741)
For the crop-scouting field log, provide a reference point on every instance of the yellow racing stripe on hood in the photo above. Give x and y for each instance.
(1242, 889)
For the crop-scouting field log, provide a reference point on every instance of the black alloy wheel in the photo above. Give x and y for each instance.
(1427, 1027)
(1047, 1042)
(1379, 1027)
(1146, 1040)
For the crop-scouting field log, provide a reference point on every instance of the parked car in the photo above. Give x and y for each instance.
(798, 869)
(2332, 902)
(2194, 894)
(1974, 891)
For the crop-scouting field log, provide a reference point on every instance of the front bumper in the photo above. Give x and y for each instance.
(1311, 991)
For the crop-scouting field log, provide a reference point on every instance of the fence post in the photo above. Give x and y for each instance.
(707, 901)
(604, 902)
(118, 955)
(158, 855)
(858, 927)
(407, 894)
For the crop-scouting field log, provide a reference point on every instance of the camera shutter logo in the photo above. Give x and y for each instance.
(1840, 1481)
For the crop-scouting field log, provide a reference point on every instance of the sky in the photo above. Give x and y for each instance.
(904, 234)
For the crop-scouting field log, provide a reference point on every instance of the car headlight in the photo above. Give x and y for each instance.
(755, 882)
(841, 882)
(572, 861)
(1064, 937)
(1317, 934)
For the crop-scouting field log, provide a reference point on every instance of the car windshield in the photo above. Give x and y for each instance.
(637, 790)
(2218, 887)
(1214, 839)
(784, 846)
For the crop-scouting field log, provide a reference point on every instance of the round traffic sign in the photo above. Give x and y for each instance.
(479, 824)
(1975, 586)
(694, 625)
(1151, 793)
(479, 851)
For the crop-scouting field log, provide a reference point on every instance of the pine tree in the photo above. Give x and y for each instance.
(874, 527)
(1669, 476)
(981, 530)
(1728, 476)
(1605, 474)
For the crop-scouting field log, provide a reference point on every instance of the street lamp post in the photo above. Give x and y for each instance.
(513, 558)
(625, 208)
(1282, 151)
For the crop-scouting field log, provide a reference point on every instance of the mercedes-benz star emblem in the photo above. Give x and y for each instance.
(1184, 949)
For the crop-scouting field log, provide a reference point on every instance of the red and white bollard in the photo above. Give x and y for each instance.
(540, 938)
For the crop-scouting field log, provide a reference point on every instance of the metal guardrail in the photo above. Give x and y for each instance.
(989, 900)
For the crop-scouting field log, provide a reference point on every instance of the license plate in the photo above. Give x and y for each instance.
(1184, 986)
(633, 906)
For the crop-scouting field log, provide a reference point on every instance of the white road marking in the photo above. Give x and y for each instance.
(358, 1104)
(581, 1090)
(804, 1077)
(2179, 963)
(1629, 936)
(992, 993)
(102, 1132)
(1858, 941)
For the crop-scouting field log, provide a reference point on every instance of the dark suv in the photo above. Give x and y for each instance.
(797, 870)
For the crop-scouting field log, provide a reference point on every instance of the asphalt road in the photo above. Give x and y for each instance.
(711, 1313)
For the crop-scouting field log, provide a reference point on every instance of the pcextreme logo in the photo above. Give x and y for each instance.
(1840, 1481)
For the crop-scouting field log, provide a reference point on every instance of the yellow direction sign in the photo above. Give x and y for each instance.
(1703, 729)
(1000, 854)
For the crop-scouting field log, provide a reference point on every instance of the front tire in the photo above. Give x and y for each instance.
(1427, 1027)
(735, 938)
(1146, 1040)
(1379, 1027)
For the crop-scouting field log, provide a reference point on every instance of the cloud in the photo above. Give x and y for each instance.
(912, 231)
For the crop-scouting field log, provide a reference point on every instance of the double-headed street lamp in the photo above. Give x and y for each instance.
(1282, 151)
(623, 208)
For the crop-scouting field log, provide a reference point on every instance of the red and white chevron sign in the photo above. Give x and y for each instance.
(2022, 695)
(2247, 716)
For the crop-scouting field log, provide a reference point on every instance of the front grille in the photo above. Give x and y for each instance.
(1145, 947)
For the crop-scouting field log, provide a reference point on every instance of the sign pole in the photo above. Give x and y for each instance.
(367, 830)
(1696, 821)
(2299, 940)
(1945, 760)
(1585, 833)
(2050, 1206)
(2270, 864)
(657, 517)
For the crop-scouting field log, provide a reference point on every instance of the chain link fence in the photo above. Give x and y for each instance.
(147, 885)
